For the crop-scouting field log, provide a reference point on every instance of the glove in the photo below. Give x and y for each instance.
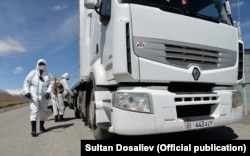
(28, 95)
(47, 96)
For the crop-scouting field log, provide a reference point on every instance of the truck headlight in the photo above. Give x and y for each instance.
(236, 99)
(138, 102)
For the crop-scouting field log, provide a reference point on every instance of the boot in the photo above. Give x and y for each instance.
(61, 118)
(33, 128)
(42, 126)
(56, 118)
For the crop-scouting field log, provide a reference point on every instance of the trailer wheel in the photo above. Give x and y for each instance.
(98, 132)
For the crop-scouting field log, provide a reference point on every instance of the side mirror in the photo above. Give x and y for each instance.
(228, 8)
(91, 4)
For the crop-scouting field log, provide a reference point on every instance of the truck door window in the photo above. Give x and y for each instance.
(105, 11)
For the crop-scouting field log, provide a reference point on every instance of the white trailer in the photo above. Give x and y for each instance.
(154, 67)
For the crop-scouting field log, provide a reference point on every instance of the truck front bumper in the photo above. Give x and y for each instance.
(174, 113)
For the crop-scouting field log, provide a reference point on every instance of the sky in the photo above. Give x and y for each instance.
(34, 29)
(48, 29)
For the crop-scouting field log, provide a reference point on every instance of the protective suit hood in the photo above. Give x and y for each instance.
(40, 61)
(66, 76)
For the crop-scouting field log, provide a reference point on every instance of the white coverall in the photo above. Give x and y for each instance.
(58, 100)
(37, 88)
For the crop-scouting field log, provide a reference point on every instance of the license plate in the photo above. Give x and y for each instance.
(198, 124)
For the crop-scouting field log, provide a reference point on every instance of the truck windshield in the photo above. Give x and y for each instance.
(212, 10)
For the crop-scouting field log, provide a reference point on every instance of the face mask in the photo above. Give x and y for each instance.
(41, 67)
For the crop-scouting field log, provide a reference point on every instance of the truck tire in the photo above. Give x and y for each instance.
(71, 106)
(76, 111)
(98, 132)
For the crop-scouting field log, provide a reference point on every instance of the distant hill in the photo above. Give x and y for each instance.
(7, 99)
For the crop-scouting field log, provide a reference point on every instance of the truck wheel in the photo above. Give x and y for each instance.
(76, 110)
(71, 106)
(99, 133)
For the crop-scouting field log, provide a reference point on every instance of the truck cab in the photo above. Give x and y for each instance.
(153, 67)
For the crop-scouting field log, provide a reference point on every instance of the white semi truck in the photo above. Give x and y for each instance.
(158, 66)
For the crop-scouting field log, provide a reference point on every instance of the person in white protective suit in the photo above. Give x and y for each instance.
(37, 87)
(58, 97)
(67, 91)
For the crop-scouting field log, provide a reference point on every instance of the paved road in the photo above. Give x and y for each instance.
(64, 138)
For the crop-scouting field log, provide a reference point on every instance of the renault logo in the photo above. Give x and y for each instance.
(196, 73)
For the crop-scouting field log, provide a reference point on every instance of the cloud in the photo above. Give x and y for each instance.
(15, 92)
(236, 4)
(67, 30)
(18, 70)
(10, 45)
(59, 8)
(69, 26)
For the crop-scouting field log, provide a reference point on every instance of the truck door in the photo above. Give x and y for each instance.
(99, 25)
(94, 33)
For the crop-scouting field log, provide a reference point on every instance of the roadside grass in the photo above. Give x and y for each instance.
(8, 100)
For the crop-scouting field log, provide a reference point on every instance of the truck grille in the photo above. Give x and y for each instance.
(184, 55)
(190, 106)
(193, 111)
